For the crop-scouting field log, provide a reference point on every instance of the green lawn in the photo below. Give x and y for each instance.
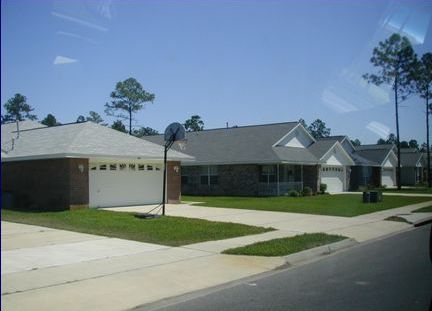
(172, 231)
(285, 246)
(347, 205)
(427, 209)
(422, 190)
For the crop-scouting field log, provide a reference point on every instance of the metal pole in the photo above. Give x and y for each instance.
(164, 179)
(429, 179)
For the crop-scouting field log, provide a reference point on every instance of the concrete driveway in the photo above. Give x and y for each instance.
(48, 269)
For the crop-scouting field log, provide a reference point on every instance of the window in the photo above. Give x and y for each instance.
(113, 167)
(209, 175)
(184, 175)
(132, 167)
(102, 167)
(149, 167)
(157, 167)
(93, 167)
(204, 179)
(213, 173)
(122, 166)
(141, 167)
(268, 174)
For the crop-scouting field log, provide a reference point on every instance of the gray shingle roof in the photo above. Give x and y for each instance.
(334, 138)
(376, 147)
(321, 147)
(241, 145)
(410, 157)
(361, 160)
(83, 140)
(9, 130)
(371, 155)
(375, 156)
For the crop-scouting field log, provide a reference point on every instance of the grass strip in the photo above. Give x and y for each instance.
(285, 246)
(347, 205)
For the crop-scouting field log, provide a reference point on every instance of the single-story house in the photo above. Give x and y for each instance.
(375, 165)
(412, 163)
(260, 160)
(84, 165)
(335, 163)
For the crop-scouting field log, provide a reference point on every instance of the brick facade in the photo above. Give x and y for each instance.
(173, 182)
(62, 184)
(55, 184)
(237, 180)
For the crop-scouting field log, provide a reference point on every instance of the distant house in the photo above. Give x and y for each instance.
(260, 160)
(335, 163)
(412, 162)
(83, 165)
(374, 165)
(383, 164)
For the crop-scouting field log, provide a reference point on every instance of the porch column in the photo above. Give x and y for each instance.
(277, 165)
(302, 179)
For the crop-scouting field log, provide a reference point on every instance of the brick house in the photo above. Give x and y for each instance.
(84, 165)
(261, 160)
(374, 165)
(412, 170)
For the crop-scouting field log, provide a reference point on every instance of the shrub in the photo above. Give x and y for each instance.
(323, 188)
(293, 193)
(307, 191)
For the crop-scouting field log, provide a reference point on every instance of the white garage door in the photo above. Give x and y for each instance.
(388, 178)
(333, 177)
(122, 184)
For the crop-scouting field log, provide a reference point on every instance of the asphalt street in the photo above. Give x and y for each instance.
(388, 274)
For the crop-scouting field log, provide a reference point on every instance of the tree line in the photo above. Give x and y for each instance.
(127, 99)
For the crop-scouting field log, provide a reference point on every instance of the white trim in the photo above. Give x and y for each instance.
(338, 145)
(197, 163)
(294, 128)
(87, 156)
(386, 158)
(349, 141)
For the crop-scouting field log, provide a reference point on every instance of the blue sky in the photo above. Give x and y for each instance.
(241, 62)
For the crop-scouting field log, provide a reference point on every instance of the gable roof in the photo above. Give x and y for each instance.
(410, 157)
(85, 140)
(321, 147)
(376, 154)
(243, 145)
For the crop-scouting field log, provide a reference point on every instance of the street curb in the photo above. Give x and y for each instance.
(423, 221)
(313, 253)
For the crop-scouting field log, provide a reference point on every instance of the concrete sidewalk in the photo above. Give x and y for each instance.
(42, 271)
(49, 269)
(361, 228)
(426, 195)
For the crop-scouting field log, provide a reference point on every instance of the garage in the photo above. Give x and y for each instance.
(388, 177)
(333, 177)
(124, 183)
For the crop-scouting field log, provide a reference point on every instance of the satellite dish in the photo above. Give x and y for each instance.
(175, 132)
